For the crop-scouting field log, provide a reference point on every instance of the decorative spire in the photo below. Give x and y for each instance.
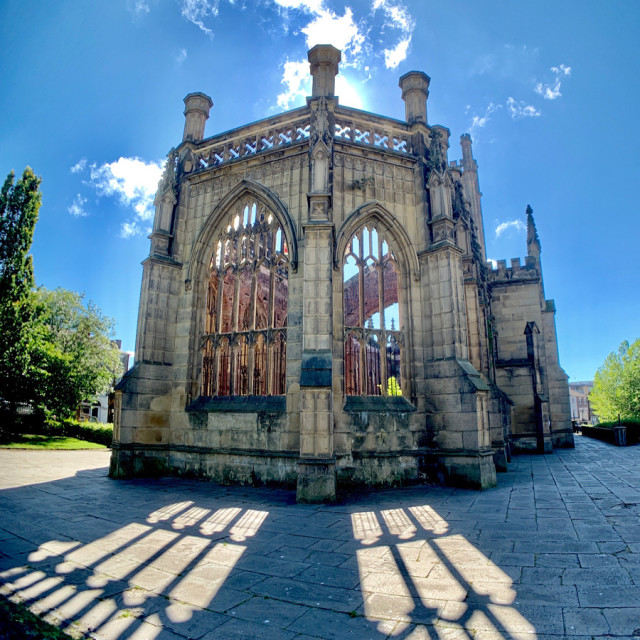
(533, 242)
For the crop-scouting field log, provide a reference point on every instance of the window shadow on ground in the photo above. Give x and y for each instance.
(174, 558)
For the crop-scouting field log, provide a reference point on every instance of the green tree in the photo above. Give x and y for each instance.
(19, 206)
(616, 386)
(74, 357)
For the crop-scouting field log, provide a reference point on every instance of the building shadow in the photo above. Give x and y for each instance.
(142, 558)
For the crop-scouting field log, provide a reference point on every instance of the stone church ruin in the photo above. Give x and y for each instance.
(317, 310)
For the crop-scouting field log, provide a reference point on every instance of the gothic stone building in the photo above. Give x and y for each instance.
(317, 310)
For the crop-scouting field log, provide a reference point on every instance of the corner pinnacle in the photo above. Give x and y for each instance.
(533, 241)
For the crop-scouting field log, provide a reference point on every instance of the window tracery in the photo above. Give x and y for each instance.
(245, 340)
(373, 343)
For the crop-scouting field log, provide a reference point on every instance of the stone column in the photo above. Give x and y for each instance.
(557, 379)
(316, 466)
(196, 113)
(415, 91)
(456, 389)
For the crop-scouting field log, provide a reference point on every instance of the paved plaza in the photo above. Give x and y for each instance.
(553, 552)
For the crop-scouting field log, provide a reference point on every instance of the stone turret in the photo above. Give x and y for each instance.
(415, 91)
(324, 60)
(196, 113)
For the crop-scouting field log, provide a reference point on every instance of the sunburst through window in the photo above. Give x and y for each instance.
(245, 340)
(373, 340)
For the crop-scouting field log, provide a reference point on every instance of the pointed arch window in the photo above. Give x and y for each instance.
(245, 341)
(373, 341)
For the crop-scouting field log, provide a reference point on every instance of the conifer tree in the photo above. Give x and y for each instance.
(19, 206)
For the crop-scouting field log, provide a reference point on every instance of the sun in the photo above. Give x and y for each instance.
(348, 94)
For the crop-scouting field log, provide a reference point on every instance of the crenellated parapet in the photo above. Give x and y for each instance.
(527, 272)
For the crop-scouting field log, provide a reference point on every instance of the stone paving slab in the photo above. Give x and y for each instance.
(552, 552)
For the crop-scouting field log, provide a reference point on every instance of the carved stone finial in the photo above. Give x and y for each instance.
(436, 153)
(169, 179)
(320, 124)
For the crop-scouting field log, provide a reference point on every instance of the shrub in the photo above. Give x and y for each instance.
(89, 431)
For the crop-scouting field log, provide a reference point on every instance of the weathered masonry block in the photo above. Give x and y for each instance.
(317, 310)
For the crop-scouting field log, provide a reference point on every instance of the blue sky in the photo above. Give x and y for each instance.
(92, 95)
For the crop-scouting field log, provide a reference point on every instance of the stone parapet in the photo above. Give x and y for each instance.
(530, 271)
(351, 126)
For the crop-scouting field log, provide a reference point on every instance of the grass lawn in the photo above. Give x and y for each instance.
(18, 623)
(29, 441)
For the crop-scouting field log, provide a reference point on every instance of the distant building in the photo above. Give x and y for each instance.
(581, 411)
(102, 409)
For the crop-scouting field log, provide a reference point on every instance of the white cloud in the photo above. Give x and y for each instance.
(479, 122)
(514, 225)
(138, 7)
(342, 32)
(397, 17)
(393, 57)
(347, 93)
(506, 61)
(297, 83)
(79, 166)
(548, 92)
(196, 11)
(358, 40)
(77, 207)
(494, 263)
(552, 91)
(312, 6)
(396, 13)
(519, 109)
(181, 56)
(133, 182)
(128, 229)
(296, 78)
